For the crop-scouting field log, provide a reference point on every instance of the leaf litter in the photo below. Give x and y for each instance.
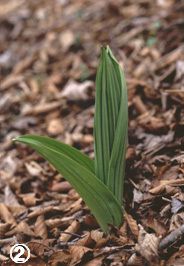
(48, 67)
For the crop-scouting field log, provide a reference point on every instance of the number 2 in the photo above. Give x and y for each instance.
(21, 251)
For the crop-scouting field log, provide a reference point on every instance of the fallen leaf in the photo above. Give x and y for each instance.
(10, 198)
(148, 246)
(55, 127)
(132, 224)
(6, 215)
(176, 221)
(61, 186)
(40, 228)
(3, 229)
(78, 253)
(71, 229)
(67, 38)
(74, 91)
(156, 225)
(91, 239)
(61, 256)
(33, 168)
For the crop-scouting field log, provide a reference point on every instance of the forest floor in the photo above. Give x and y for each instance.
(49, 56)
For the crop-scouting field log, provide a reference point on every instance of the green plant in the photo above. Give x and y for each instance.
(99, 182)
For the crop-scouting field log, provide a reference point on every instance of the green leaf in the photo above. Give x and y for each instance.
(78, 171)
(110, 123)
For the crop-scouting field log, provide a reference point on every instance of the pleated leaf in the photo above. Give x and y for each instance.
(78, 170)
(110, 123)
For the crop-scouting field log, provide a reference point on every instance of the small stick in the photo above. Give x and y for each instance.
(171, 238)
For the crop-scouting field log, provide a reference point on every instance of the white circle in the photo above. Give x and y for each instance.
(21, 248)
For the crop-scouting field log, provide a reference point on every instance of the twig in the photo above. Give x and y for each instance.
(171, 238)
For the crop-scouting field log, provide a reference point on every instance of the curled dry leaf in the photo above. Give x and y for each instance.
(10, 198)
(21, 227)
(148, 245)
(177, 258)
(91, 239)
(40, 108)
(3, 258)
(118, 237)
(3, 229)
(17, 210)
(97, 261)
(67, 38)
(61, 256)
(135, 260)
(39, 211)
(55, 127)
(29, 199)
(74, 207)
(61, 187)
(164, 189)
(76, 91)
(157, 226)
(90, 221)
(38, 247)
(6, 215)
(33, 168)
(40, 227)
(132, 224)
(78, 253)
(71, 229)
(53, 223)
(176, 221)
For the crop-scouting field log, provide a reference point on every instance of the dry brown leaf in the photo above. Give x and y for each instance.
(148, 246)
(3, 229)
(39, 246)
(166, 189)
(91, 239)
(156, 225)
(41, 108)
(176, 221)
(78, 253)
(3, 258)
(21, 227)
(10, 198)
(29, 199)
(132, 224)
(96, 261)
(21, 65)
(61, 187)
(90, 221)
(40, 227)
(6, 215)
(17, 210)
(74, 207)
(73, 228)
(33, 168)
(154, 125)
(40, 210)
(10, 81)
(135, 260)
(55, 127)
(76, 91)
(177, 259)
(57, 222)
(175, 182)
(66, 38)
(61, 256)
